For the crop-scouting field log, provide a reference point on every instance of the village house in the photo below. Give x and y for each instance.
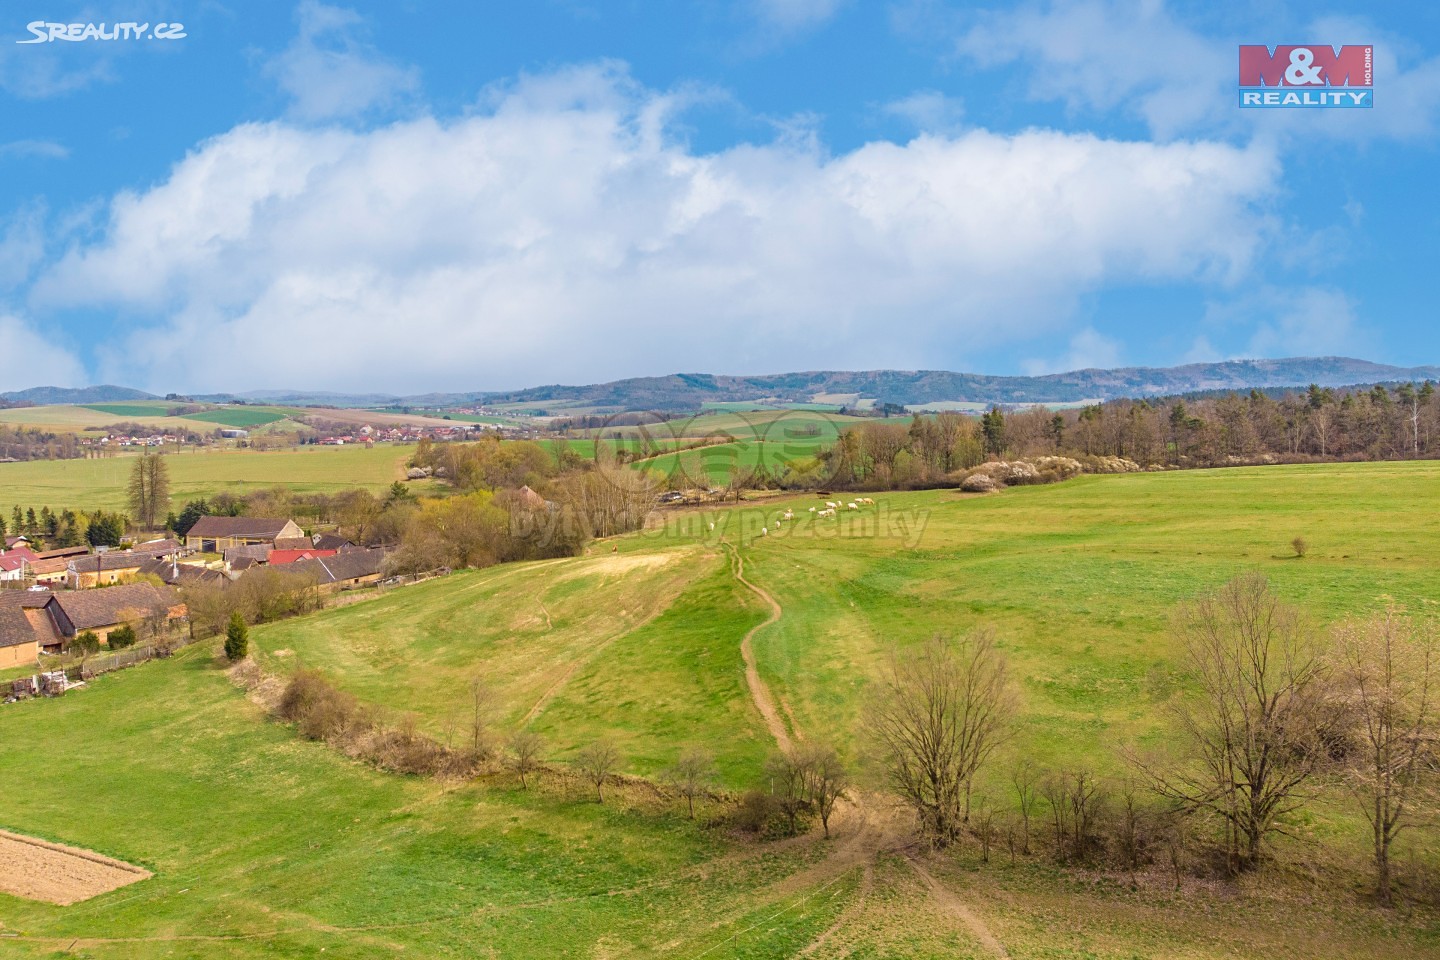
(344, 570)
(115, 566)
(218, 534)
(19, 644)
(176, 574)
(26, 629)
(104, 611)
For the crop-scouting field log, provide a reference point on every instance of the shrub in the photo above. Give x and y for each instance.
(979, 483)
(757, 808)
(85, 643)
(121, 637)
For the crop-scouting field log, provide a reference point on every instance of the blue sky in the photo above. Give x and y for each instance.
(417, 195)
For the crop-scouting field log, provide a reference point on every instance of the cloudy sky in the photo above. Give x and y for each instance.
(414, 195)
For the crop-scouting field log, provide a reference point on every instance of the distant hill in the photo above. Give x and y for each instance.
(691, 391)
(301, 398)
(918, 387)
(105, 393)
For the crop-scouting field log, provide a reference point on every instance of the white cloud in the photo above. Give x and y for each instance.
(1109, 54)
(562, 236)
(1291, 322)
(330, 72)
(1137, 58)
(47, 149)
(929, 111)
(34, 359)
(1088, 349)
(792, 15)
(22, 244)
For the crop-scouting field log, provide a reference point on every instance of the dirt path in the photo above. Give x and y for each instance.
(956, 907)
(868, 837)
(760, 693)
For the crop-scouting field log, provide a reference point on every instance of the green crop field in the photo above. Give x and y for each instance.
(131, 411)
(740, 439)
(264, 845)
(90, 484)
(238, 416)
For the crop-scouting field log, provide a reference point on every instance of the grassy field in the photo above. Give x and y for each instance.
(100, 483)
(740, 439)
(267, 846)
(244, 417)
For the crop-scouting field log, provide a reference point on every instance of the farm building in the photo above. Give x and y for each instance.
(178, 574)
(19, 643)
(102, 611)
(218, 534)
(26, 628)
(350, 568)
(111, 567)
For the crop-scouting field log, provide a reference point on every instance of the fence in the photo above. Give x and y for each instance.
(120, 659)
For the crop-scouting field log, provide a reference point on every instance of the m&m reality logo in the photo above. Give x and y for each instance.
(1313, 75)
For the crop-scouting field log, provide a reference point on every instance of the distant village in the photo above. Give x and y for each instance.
(332, 437)
(49, 598)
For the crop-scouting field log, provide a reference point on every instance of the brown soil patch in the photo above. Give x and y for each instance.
(54, 873)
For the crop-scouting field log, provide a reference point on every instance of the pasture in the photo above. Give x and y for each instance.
(100, 483)
(265, 845)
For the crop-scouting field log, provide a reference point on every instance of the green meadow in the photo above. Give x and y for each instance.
(99, 483)
(265, 845)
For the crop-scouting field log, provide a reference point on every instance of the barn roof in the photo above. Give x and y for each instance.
(15, 627)
(101, 607)
(260, 527)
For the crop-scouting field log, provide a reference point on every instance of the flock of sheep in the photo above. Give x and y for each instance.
(831, 506)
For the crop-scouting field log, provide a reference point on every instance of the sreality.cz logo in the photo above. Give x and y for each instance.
(45, 32)
(1312, 75)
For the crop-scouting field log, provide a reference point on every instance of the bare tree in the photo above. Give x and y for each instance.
(596, 762)
(482, 706)
(1025, 777)
(788, 784)
(1254, 727)
(1390, 672)
(937, 716)
(526, 750)
(693, 775)
(828, 781)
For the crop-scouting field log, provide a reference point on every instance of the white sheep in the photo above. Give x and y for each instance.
(851, 506)
(764, 531)
(812, 509)
(712, 524)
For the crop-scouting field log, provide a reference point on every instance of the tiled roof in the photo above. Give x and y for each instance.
(15, 627)
(210, 527)
(103, 606)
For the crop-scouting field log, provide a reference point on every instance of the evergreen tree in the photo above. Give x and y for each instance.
(194, 510)
(237, 638)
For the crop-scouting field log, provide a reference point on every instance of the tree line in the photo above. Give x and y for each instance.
(1362, 423)
(1278, 714)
